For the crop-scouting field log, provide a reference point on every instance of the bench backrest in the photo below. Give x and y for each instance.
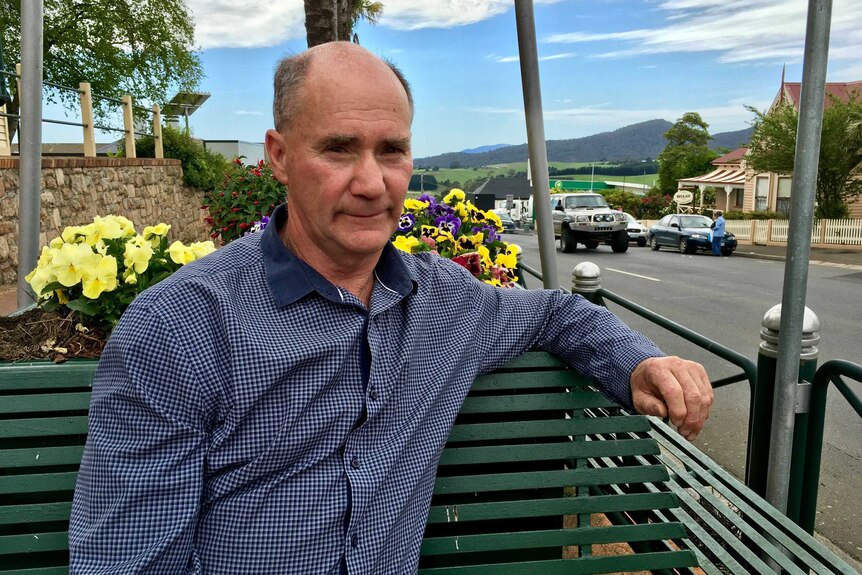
(516, 488)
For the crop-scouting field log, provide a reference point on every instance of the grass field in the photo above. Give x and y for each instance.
(462, 175)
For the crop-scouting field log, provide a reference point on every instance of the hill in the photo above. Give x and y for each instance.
(481, 149)
(634, 142)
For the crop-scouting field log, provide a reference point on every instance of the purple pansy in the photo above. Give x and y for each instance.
(449, 223)
(490, 232)
(406, 222)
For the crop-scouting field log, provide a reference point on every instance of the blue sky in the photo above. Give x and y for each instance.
(604, 64)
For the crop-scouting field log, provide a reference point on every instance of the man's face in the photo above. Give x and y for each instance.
(346, 159)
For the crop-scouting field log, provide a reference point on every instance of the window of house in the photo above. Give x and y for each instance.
(761, 193)
(782, 204)
(738, 196)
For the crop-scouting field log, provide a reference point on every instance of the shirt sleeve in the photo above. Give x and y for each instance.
(139, 486)
(590, 338)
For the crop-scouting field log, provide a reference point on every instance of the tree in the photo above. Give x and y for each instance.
(333, 20)
(686, 154)
(142, 48)
(773, 148)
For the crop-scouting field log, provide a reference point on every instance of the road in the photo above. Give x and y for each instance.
(725, 299)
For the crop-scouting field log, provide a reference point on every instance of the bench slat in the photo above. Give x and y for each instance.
(43, 375)
(550, 507)
(551, 428)
(44, 426)
(533, 360)
(580, 566)
(33, 543)
(551, 538)
(38, 482)
(535, 402)
(44, 402)
(39, 571)
(41, 456)
(543, 479)
(544, 451)
(515, 380)
(35, 512)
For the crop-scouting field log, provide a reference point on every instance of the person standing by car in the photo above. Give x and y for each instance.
(717, 232)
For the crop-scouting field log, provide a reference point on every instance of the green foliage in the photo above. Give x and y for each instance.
(687, 153)
(625, 201)
(242, 199)
(654, 205)
(202, 168)
(773, 147)
(144, 48)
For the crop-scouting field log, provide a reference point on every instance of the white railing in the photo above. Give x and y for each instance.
(823, 232)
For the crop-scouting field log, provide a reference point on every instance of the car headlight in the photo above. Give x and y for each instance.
(698, 236)
(619, 217)
(583, 218)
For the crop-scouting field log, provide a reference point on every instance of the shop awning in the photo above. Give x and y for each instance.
(718, 177)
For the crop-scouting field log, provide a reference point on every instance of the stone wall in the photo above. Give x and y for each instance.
(74, 190)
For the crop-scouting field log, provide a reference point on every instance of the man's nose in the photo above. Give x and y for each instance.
(368, 176)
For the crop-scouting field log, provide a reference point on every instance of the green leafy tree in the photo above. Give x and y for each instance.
(686, 154)
(773, 148)
(333, 20)
(143, 48)
(202, 168)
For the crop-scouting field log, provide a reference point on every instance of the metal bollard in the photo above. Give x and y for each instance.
(587, 281)
(760, 416)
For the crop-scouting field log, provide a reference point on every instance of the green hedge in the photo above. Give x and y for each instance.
(202, 168)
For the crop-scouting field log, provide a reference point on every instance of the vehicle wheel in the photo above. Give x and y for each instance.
(653, 244)
(641, 242)
(567, 240)
(683, 246)
(726, 251)
(591, 244)
(620, 242)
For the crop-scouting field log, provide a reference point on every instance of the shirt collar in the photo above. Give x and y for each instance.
(290, 278)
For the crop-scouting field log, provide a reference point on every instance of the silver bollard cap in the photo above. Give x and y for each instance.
(772, 325)
(586, 277)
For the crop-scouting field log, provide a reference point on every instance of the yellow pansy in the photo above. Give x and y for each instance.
(454, 196)
(201, 249)
(155, 233)
(406, 243)
(494, 282)
(108, 228)
(486, 256)
(180, 254)
(461, 209)
(471, 243)
(56, 243)
(100, 276)
(72, 234)
(39, 278)
(127, 228)
(137, 254)
(130, 277)
(508, 261)
(68, 263)
(62, 296)
(493, 218)
(415, 205)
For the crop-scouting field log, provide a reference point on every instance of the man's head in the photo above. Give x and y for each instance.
(717, 213)
(342, 147)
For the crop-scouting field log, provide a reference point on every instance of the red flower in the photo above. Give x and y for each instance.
(243, 226)
(214, 235)
(472, 262)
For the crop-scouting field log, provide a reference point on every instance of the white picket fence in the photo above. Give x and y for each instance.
(823, 232)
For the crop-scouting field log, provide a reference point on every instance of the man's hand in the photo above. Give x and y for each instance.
(674, 387)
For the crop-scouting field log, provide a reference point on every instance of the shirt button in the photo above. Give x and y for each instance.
(373, 394)
(354, 463)
(354, 541)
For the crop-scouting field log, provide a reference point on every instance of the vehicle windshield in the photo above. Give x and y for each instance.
(503, 215)
(581, 201)
(630, 218)
(694, 222)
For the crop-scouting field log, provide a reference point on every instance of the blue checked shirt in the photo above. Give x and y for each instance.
(232, 429)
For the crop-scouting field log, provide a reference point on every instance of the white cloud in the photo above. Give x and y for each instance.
(509, 59)
(248, 113)
(739, 30)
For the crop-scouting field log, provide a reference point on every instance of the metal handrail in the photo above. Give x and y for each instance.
(749, 368)
(830, 372)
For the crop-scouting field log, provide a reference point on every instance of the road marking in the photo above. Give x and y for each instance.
(635, 275)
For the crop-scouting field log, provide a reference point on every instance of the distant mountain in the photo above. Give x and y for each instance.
(634, 142)
(481, 149)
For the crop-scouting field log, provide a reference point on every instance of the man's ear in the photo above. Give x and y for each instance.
(276, 150)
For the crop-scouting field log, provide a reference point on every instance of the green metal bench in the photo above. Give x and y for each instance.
(534, 455)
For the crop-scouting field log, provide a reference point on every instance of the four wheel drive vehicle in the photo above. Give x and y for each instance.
(636, 230)
(585, 218)
(505, 219)
(688, 233)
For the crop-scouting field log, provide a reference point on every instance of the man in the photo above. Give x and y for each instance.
(279, 407)
(717, 232)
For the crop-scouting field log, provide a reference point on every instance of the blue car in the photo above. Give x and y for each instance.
(687, 233)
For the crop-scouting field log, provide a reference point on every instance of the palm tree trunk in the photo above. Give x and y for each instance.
(321, 21)
(346, 11)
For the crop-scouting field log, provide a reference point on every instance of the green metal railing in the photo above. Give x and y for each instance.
(830, 372)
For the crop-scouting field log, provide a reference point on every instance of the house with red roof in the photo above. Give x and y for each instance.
(744, 189)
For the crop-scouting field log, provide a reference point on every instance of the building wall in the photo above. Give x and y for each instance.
(74, 190)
